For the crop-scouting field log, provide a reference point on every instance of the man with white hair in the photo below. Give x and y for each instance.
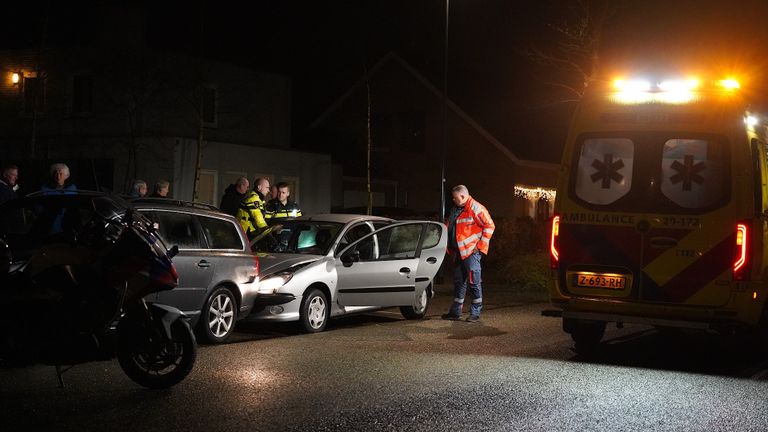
(139, 189)
(470, 228)
(8, 186)
(58, 184)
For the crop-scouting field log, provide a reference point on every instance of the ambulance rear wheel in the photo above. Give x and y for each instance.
(586, 335)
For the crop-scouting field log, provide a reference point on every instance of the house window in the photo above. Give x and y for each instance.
(82, 94)
(210, 102)
(34, 95)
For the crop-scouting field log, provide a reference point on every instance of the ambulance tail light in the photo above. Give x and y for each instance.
(554, 243)
(741, 256)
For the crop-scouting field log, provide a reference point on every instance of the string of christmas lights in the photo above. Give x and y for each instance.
(536, 193)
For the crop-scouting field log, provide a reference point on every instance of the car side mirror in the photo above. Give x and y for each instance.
(349, 258)
(172, 252)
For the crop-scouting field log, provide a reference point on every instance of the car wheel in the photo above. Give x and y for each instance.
(218, 317)
(315, 311)
(419, 309)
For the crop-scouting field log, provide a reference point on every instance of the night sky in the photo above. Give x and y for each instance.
(324, 45)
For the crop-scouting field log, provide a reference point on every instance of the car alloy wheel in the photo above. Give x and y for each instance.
(219, 316)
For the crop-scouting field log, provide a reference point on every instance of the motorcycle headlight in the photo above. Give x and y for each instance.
(272, 283)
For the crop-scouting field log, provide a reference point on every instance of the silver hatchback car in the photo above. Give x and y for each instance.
(217, 271)
(331, 265)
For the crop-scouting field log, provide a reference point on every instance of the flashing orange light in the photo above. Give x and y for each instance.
(15, 78)
(729, 84)
(754, 295)
(554, 253)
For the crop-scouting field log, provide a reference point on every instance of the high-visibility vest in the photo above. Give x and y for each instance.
(250, 213)
(274, 209)
(474, 228)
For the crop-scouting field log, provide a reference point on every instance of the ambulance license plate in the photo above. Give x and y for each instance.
(597, 280)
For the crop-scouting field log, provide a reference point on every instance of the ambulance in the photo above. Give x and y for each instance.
(661, 215)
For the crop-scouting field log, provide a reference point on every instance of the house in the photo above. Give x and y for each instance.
(406, 125)
(116, 109)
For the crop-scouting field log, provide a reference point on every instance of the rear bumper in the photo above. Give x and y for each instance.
(593, 316)
(735, 316)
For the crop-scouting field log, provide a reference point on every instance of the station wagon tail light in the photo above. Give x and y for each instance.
(554, 243)
(254, 273)
(741, 253)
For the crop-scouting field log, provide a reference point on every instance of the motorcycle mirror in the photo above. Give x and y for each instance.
(172, 252)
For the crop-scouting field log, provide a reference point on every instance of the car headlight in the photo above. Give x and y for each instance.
(270, 284)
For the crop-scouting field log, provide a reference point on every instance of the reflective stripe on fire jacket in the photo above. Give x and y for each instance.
(474, 229)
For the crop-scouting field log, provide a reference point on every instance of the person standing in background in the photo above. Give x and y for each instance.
(59, 175)
(233, 195)
(161, 189)
(8, 183)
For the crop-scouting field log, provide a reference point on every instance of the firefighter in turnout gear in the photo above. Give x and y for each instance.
(470, 228)
(251, 210)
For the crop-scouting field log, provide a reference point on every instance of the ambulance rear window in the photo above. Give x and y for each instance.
(651, 172)
(692, 172)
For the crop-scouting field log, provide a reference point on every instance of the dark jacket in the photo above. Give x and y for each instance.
(231, 200)
(6, 192)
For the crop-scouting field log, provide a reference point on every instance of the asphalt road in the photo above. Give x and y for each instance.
(378, 372)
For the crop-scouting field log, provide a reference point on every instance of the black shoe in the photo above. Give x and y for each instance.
(450, 317)
(473, 319)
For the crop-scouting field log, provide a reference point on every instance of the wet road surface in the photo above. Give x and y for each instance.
(515, 370)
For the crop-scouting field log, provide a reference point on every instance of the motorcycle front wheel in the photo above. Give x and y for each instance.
(159, 364)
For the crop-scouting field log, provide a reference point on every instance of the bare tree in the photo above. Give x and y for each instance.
(572, 63)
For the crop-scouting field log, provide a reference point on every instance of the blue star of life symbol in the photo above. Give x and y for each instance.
(607, 170)
(687, 172)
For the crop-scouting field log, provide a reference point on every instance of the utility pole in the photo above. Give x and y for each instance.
(445, 113)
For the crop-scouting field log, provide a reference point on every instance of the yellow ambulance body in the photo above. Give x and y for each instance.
(661, 214)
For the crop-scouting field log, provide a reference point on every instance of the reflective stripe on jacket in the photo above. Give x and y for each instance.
(250, 213)
(274, 209)
(474, 228)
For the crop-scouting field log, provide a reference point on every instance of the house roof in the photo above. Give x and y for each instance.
(393, 57)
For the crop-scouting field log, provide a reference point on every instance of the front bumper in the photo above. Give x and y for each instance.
(275, 307)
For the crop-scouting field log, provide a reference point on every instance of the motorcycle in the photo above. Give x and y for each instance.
(86, 286)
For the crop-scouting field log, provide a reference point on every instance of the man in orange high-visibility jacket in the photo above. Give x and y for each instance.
(470, 228)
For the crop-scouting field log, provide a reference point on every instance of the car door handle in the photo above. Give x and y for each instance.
(405, 270)
(431, 260)
(203, 264)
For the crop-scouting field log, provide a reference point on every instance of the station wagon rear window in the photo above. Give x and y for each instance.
(653, 172)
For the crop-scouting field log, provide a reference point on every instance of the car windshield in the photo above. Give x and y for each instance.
(305, 237)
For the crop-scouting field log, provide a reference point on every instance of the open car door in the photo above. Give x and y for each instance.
(392, 265)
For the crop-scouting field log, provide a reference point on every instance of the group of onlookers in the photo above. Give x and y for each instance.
(140, 189)
(58, 181)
